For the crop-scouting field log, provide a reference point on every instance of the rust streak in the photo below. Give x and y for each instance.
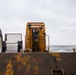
(9, 69)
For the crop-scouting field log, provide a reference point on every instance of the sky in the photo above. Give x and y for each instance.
(59, 17)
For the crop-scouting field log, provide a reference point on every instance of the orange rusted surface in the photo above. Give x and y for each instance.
(37, 63)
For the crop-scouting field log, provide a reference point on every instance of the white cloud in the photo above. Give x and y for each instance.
(58, 15)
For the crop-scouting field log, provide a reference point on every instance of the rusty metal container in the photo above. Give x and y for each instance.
(37, 63)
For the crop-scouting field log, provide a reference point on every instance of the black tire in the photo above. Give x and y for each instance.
(2, 43)
(19, 45)
(1, 39)
(4, 46)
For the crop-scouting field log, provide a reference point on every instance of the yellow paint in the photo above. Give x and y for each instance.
(36, 69)
(28, 68)
(23, 60)
(19, 57)
(57, 55)
(41, 40)
(9, 69)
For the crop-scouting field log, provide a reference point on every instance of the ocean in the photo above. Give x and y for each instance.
(62, 48)
(53, 48)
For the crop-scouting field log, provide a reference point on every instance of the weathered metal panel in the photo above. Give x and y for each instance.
(37, 63)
